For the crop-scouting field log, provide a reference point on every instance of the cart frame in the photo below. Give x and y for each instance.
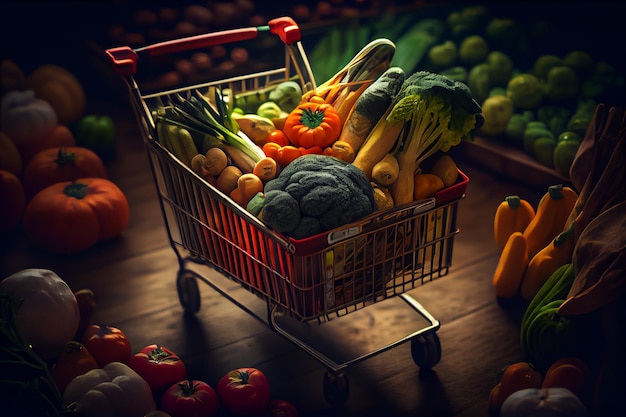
(302, 290)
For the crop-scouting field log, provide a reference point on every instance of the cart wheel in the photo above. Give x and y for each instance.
(188, 292)
(336, 388)
(426, 350)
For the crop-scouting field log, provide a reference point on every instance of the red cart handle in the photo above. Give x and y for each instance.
(125, 59)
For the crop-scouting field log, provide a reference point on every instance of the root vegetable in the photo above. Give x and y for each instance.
(385, 172)
(227, 180)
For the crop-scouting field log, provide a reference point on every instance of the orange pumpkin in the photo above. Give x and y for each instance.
(10, 158)
(13, 201)
(59, 87)
(61, 135)
(69, 217)
(61, 164)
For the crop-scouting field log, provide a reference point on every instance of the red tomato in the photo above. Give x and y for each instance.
(244, 391)
(190, 398)
(106, 344)
(159, 366)
(281, 408)
(278, 136)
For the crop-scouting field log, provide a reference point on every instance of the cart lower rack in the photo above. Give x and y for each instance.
(311, 291)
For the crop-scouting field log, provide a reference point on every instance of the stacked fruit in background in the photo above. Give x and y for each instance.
(537, 76)
(52, 150)
(58, 361)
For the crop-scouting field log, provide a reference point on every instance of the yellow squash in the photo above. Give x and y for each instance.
(513, 214)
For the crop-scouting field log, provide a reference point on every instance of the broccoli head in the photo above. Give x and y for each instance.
(429, 96)
(438, 113)
(314, 194)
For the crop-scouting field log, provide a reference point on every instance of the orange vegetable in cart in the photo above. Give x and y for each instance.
(313, 124)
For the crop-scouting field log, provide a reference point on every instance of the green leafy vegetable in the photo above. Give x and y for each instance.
(26, 387)
(438, 113)
(196, 114)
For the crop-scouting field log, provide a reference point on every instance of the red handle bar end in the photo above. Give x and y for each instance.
(124, 60)
(286, 28)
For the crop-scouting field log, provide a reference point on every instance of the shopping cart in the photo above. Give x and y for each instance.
(314, 291)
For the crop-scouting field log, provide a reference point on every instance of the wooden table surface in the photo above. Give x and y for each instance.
(133, 278)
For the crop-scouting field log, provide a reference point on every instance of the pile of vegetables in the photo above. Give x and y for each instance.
(530, 70)
(52, 154)
(565, 260)
(540, 102)
(524, 390)
(365, 136)
(56, 361)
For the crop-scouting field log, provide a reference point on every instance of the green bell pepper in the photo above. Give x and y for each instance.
(96, 132)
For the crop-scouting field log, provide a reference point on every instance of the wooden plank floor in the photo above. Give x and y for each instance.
(134, 281)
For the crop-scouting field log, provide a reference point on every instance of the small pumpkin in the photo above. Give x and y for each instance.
(69, 217)
(61, 164)
(48, 316)
(10, 157)
(61, 89)
(61, 135)
(12, 76)
(13, 201)
(26, 119)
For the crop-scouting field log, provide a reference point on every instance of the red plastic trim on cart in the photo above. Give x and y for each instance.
(320, 241)
(125, 59)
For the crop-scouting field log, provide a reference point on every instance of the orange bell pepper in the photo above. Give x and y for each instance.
(313, 124)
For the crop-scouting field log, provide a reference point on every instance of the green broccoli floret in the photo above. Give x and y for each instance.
(314, 194)
(308, 226)
(277, 209)
(438, 113)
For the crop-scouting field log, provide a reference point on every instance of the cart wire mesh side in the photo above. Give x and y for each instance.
(305, 285)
